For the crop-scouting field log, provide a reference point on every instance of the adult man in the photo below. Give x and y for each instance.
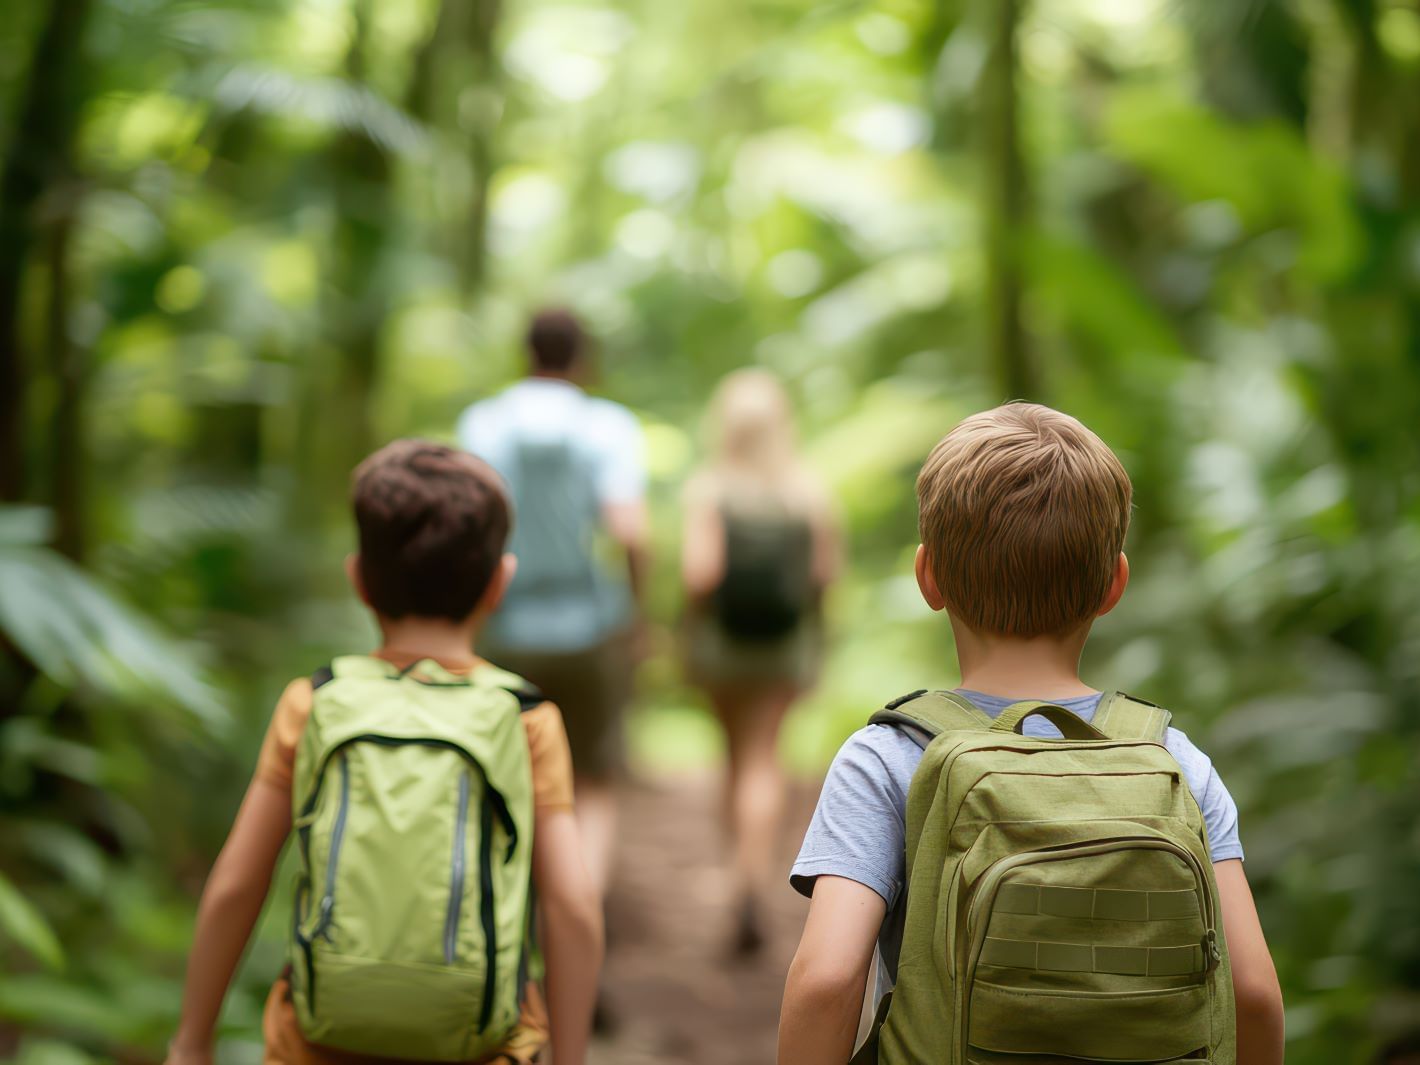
(575, 468)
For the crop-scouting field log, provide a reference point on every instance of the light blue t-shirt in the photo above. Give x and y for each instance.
(859, 828)
(565, 456)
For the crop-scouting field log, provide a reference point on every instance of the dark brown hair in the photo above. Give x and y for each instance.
(433, 522)
(556, 340)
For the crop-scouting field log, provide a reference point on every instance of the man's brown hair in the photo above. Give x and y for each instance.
(433, 523)
(556, 340)
(1023, 511)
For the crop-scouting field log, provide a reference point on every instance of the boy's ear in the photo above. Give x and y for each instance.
(1117, 584)
(352, 574)
(498, 584)
(927, 582)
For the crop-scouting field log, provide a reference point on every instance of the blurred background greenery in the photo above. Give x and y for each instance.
(243, 241)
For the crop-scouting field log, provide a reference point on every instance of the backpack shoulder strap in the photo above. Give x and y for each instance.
(529, 695)
(1123, 717)
(931, 714)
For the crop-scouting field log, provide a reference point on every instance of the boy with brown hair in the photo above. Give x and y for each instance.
(431, 566)
(1023, 513)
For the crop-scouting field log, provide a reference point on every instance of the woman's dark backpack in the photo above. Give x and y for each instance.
(768, 584)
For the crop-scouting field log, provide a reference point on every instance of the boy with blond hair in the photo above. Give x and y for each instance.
(430, 792)
(1100, 940)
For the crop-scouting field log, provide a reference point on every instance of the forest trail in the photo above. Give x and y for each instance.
(676, 995)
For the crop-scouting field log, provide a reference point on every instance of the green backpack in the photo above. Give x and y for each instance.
(1061, 906)
(413, 810)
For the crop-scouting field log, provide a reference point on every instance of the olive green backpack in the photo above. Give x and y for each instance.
(1061, 906)
(413, 809)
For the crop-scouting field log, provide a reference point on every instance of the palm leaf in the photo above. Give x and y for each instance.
(79, 634)
(326, 101)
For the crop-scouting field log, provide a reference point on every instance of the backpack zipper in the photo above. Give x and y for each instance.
(487, 912)
(991, 883)
(451, 922)
(337, 835)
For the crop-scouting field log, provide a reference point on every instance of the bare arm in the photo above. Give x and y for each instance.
(572, 927)
(824, 993)
(702, 552)
(1255, 988)
(628, 526)
(231, 903)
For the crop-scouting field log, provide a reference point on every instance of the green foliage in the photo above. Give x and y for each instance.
(27, 927)
(302, 227)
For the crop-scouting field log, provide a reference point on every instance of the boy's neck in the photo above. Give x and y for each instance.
(1043, 667)
(448, 642)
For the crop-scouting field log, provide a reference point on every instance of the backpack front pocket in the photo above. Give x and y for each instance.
(1098, 951)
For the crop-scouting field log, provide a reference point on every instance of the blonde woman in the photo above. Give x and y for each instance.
(759, 549)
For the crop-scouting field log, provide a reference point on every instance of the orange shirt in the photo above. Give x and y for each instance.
(552, 791)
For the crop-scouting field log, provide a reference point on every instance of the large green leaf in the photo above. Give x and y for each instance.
(1263, 170)
(79, 633)
(25, 925)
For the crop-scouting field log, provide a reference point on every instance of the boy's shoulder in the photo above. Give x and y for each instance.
(877, 761)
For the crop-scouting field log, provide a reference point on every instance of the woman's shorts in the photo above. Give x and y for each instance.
(715, 658)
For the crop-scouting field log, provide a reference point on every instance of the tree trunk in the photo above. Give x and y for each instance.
(1005, 197)
(68, 365)
(456, 87)
(40, 158)
(362, 173)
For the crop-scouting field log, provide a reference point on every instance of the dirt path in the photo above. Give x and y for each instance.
(676, 995)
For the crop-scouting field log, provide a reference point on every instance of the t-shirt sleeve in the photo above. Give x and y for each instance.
(621, 473)
(277, 761)
(859, 826)
(551, 758)
(1220, 812)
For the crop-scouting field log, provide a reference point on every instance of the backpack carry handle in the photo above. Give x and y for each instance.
(1071, 726)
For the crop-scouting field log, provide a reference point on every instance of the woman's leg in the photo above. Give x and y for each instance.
(752, 717)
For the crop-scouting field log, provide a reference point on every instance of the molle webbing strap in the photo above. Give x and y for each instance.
(1088, 958)
(932, 713)
(1123, 717)
(1101, 904)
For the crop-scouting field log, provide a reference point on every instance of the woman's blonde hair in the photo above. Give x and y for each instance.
(750, 425)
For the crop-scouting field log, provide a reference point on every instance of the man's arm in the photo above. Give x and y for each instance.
(572, 933)
(823, 996)
(231, 903)
(627, 524)
(1255, 988)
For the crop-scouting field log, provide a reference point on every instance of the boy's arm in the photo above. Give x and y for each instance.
(823, 996)
(231, 903)
(572, 932)
(1255, 988)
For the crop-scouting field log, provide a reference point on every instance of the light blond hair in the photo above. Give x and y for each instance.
(1022, 512)
(753, 459)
